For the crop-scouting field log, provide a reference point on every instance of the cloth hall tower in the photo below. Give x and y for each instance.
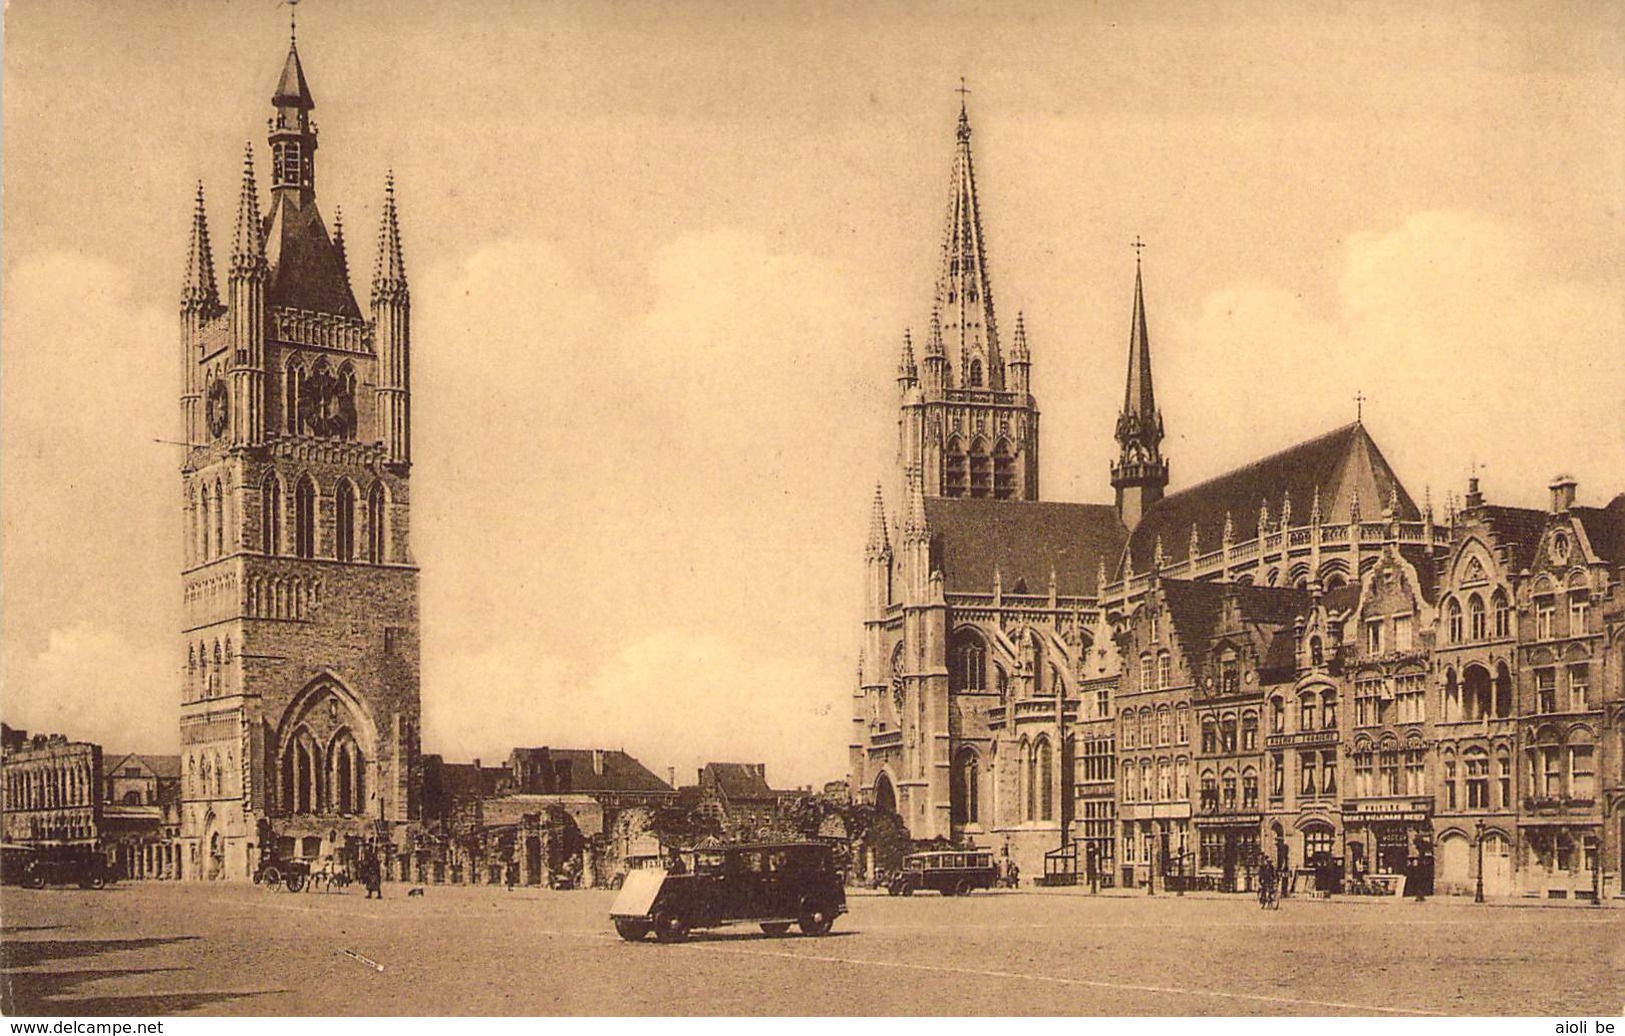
(300, 697)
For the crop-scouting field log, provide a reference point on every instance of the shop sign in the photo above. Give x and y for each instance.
(1409, 809)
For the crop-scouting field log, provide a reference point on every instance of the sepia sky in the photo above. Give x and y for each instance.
(662, 256)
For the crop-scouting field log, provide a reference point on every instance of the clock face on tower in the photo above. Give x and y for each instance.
(217, 408)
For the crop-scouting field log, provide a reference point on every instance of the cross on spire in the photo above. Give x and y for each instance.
(293, 20)
(963, 91)
(1138, 246)
(1359, 406)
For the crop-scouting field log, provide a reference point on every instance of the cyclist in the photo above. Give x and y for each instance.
(1266, 884)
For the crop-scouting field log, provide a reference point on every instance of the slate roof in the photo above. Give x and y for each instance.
(1605, 528)
(1195, 606)
(306, 271)
(1024, 540)
(165, 767)
(1518, 529)
(291, 88)
(621, 772)
(740, 782)
(1336, 464)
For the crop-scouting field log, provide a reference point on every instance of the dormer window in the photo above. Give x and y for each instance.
(1373, 636)
(1317, 654)
(1229, 673)
(1402, 632)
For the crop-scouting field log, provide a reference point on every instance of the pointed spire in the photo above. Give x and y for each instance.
(1196, 542)
(1263, 516)
(1314, 508)
(1286, 510)
(1139, 398)
(248, 241)
(1427, 503)
(199, 292)
(291, 89)
(879, 544)
(1229, 529)
(1100, 576)
(1393, 501)
(1018, 350)
(964, 292)
(389, 269)
(1157, 556)
(1354, 511)
(907, 372)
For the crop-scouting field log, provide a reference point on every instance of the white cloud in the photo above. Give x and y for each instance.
(98, 684)
(1466, 347)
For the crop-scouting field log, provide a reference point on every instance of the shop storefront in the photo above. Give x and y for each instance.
(1229, 850)
(1390, 837)
(1559, 859)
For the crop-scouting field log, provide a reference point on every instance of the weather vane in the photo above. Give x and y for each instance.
(1138, 246)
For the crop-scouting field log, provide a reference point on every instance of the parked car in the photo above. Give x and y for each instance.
(774, 885)
(84, 866)
(952, 873)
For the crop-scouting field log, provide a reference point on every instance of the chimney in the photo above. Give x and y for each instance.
(671, 776)
(598, 761)
(1563, 487)
(1474, 497)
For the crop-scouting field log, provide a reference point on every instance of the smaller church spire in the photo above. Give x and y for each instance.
(199, 293)
(907, 372)
(1018, 350)
(248, 241)
(1140, 474)
(879, 543)
(389, 269)
(915, 527)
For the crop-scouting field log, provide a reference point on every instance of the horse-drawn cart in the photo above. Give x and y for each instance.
(273, 872)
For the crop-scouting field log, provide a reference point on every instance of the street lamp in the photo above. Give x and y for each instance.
(1478, 846)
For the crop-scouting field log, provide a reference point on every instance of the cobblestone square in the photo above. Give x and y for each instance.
(159, 949)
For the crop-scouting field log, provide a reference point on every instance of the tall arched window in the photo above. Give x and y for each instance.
(981, 470)
(969, 661)
(271, 515)
(975, 374)
(304, 518)
(1004, 471)
(376, 524)
(1503, 614)
(295, 387)
(955, 469)
(203, 523)
(1475, 613)
(1030, 812)
(344, 521)
(1454, 613)
(1046, 780)
(966, 792)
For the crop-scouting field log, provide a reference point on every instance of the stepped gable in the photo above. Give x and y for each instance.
(1025, 540)
(1341, 466)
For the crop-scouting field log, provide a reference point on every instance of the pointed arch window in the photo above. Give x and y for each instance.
(956, 471)
(203, 523)
(981, 470)
(304, 518)
(376, 516)
(1503, 614)
(295, 392)
(271, 515)
(967, 788)
(1004, 471)
(1454, 613)
(344, 521)
(1046, 780)
(1476, 619)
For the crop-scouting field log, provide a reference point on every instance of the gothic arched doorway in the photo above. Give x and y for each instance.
(885, 795)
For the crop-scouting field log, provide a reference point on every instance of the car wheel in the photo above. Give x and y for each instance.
(775, 928)
(671, 927)
(272, 878)
(33, 881)
(963, 888)
(817, 920)
(296, 881)
(95, 882)
(891, 890)
(908, 890)
(630, 930)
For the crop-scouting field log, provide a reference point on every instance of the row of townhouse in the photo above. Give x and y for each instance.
(1453, 714)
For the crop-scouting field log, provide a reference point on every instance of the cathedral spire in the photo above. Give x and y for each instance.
(199, 292)
(964, 295)
(292, 133)
(338, 241)
(1140, 474)
(248, 242)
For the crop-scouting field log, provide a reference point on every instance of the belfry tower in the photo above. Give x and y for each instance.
(968, 422)
(1140, 474)
(299, 702)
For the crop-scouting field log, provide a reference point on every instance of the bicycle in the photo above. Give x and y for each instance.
(1269, 898)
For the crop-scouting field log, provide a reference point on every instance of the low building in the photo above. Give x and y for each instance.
(141, 814)
(739, 798)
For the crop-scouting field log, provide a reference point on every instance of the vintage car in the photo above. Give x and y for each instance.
(62, 865)
(774, 885)
(952, 873)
